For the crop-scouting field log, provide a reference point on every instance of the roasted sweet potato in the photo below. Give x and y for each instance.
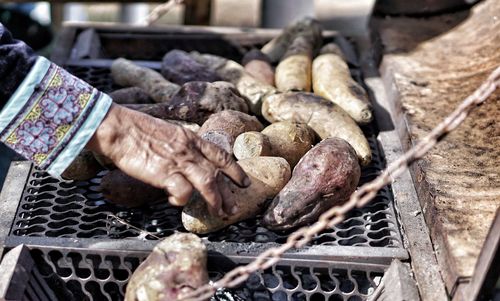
(104, 161)
(83, 167)
(268, 176)
(259, 66)
(251, 144)
(130, 95)
(326, 176)
(121, 189)
(126, 73)
(179, 67)
(253, 89)
(324, 117)
(287, 139)
(275, 48)
(196, 101)
(293, 73)
(176, 266)
(223, 127)
(332, 80)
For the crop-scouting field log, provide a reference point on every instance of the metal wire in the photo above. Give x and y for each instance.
(358, 199)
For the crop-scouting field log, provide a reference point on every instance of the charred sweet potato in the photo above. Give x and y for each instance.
(179, 67)
(83, 167)
(196, 101)
(251, 88)
(130, 95)
(326, 176)
(121, 189)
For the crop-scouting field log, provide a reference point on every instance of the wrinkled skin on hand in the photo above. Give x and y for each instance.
(166, 156)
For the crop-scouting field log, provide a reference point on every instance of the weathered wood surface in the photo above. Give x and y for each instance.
(429, 66)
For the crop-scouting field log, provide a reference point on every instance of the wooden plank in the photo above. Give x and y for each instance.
(417, 240)
(433, 64)
(488, 266)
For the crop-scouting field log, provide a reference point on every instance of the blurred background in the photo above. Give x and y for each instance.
(37, 22)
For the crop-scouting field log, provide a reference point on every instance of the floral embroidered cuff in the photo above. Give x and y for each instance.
(51, 116)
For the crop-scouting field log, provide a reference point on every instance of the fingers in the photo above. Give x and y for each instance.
(204, 179)
(224, 162)
(229, 204)
(179, 188)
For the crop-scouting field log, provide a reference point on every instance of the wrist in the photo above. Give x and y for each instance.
(107, 134)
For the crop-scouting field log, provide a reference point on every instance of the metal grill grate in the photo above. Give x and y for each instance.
(83, 274)
(50, 208)
(53, 216)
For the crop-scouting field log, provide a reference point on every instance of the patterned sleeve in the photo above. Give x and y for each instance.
(51, 116)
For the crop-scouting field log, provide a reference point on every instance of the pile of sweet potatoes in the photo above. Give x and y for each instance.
(290, 113)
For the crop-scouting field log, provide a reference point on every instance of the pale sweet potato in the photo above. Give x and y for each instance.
(324, 117)
(176, 266)
(293, 73)
(252, 144)
(276, 48)
(332, 80)
(287, 139)
(126, 73)
(326, 176)
(268, 175)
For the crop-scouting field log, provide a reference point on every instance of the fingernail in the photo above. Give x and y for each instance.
(235, 210)
(247, 182)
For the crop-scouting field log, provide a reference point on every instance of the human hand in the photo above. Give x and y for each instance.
(167, 156)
